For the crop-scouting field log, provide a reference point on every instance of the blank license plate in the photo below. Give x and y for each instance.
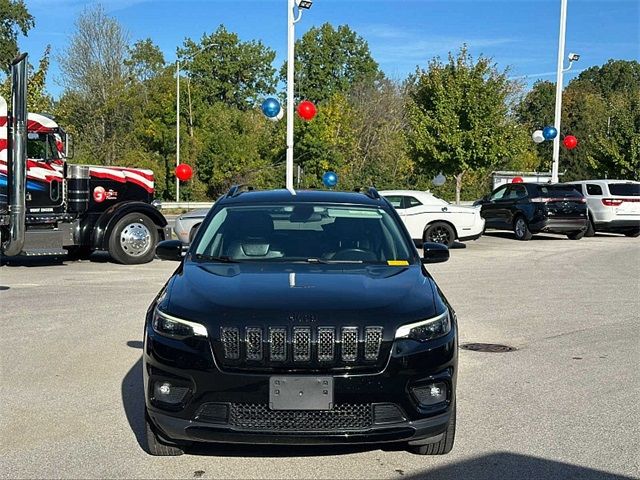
(301, 393)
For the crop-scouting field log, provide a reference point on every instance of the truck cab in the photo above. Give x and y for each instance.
(50, 207)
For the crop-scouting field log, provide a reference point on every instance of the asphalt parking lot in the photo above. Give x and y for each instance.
(563, 405)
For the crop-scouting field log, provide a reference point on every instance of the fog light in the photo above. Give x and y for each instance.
(166, 393)
(430, 394)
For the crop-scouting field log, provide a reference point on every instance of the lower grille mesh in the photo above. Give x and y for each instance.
(259, 417)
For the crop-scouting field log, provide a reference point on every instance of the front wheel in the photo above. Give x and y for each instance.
(440, 232)
(521, 229)
(155, 445)
(633, 233)
(133, 239)
(576, 235)
(441, 447)
(591, 229)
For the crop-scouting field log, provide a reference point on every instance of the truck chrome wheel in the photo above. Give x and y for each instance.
(135, 239)
(520, 227)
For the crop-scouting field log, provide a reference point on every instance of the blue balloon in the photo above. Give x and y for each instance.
(330, 179)
(549, 133)
(271, 107)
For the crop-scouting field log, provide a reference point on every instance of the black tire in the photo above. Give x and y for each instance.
(155, 445)
(133, 254)
(521, 229)
(441, 447)
(440, 232)
(192, 232)
(576, 235)
(633, 233)
(591, 228)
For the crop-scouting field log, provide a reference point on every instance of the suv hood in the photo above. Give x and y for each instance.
(300, 293)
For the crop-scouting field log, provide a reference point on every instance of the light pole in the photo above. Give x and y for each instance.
(573, 57)
(190, 57)
(291, 45)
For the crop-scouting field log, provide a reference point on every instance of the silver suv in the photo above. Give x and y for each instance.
(614, 206)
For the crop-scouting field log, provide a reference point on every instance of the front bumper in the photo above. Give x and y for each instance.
(427, 430)
(410, 364)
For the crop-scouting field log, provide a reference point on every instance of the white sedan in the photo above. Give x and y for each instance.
(432, 219)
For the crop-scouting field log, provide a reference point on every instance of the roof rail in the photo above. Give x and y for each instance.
(373, 193)
(236, 190)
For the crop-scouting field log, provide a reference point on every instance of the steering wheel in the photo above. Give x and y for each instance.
(354, 254)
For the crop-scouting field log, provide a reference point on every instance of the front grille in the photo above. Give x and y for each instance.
(258, 417)
(300, 346)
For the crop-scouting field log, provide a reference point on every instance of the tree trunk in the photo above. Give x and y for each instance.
(458, 186)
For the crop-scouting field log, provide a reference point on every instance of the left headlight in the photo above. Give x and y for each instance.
(425, 330)
(173, 327)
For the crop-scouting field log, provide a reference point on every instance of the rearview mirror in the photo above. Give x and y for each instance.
(434, 252)
(169, 250)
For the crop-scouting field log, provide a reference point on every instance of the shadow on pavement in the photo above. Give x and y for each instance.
(511, 236)
(133, 401)
(511, 466)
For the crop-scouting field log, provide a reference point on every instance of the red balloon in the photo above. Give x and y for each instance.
(307, 110)
(184, 172)
(517, 180)
(570, 142)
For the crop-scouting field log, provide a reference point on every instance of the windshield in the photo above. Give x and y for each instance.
(303, 232)
(41, 146)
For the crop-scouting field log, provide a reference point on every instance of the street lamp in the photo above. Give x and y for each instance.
(573, 57)
(190, 57)
(292, 20)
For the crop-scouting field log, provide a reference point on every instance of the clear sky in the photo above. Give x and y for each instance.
(519, 34)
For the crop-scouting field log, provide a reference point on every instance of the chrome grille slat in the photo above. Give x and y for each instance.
(253, 340)
(372, 342)
(301, 344)
(349, 340)
(326, 344)
(278, 344)
(231, 341)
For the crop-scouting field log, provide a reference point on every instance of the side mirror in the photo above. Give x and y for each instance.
(169, 250)
(434, 253)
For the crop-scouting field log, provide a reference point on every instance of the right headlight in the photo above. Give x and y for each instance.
(176, 327)
(425, 330)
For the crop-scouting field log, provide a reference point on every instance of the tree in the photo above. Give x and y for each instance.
(95, 77)
(459, 117)
(224, 69)
(330, 61)
(14, 18)
(536, 111)
(38, 99)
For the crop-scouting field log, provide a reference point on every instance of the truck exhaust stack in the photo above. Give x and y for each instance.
(18, 165)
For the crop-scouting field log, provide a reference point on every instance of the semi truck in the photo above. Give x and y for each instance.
(51, 207)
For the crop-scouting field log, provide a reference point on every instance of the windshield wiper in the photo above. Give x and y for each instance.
(329, 262)
(221, 259)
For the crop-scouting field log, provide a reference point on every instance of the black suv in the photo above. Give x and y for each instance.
(303, 318)
(528, 208)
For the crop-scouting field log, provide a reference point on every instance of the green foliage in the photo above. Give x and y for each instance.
(95, 78)
(224, 69)
(330, 61)
(458, 116)
(14, 19)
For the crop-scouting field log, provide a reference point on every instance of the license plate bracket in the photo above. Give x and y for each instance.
(300, 393)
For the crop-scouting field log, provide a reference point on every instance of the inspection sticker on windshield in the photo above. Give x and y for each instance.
(397, 263)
